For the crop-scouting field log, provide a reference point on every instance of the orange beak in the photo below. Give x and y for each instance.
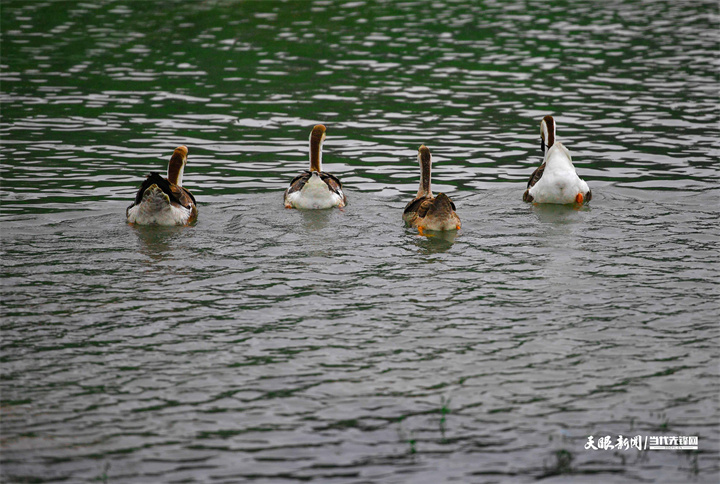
(579, 198)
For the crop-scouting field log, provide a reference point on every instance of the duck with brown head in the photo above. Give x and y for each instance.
(555, 180)
(315, 189)
(426, 212)
(163, 201)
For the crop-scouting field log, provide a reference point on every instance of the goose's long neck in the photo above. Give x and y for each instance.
(547, 133)
(176, 168)
(316, 141)
(425, 161)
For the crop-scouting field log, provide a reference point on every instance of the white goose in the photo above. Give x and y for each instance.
(315, 189)
(556, 180)
(163, 201)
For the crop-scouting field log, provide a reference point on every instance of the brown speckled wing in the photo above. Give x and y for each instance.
(176, 194)
(425, 206)
(152, 179)
(414, 205)
(535, 177)
(182, 196)
(333, 184)
(299, 182)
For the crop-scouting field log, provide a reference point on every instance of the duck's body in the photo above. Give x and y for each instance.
(314, 188)
(432, 213)
(426, 212)
(556, 180)
(163, 201)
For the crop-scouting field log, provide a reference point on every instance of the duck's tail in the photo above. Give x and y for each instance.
(442, 208)
(441, 214)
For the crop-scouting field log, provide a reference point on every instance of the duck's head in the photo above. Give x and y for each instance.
(318, 133)
(547, 133)
(317, 136)
(176, 167)
(424, 155)
(425, 161)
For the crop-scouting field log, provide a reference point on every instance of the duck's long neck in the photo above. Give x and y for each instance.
(425, 163)
(176, 168)
(548, 133)
(551, 135)
(316, 152)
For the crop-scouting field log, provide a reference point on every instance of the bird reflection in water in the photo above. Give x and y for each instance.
(559, 214)
(431, 242)
(156, 242)
(316, 219)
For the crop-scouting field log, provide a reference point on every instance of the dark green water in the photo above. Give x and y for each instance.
(271, 345)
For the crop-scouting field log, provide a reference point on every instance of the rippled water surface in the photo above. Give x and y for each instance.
(272, 345)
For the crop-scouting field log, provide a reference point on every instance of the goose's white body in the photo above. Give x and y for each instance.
(559, 183)
(314, 195)
(157, 209)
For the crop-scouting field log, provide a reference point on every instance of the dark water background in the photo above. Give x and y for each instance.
(270, 345)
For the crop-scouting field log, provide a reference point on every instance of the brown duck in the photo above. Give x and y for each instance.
(427, 212)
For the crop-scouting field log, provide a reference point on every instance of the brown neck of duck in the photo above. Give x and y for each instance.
(316, 140)
(547, 132)
(425, 161)
(177, 166)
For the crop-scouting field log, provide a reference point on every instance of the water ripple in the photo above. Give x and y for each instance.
(265, 344)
